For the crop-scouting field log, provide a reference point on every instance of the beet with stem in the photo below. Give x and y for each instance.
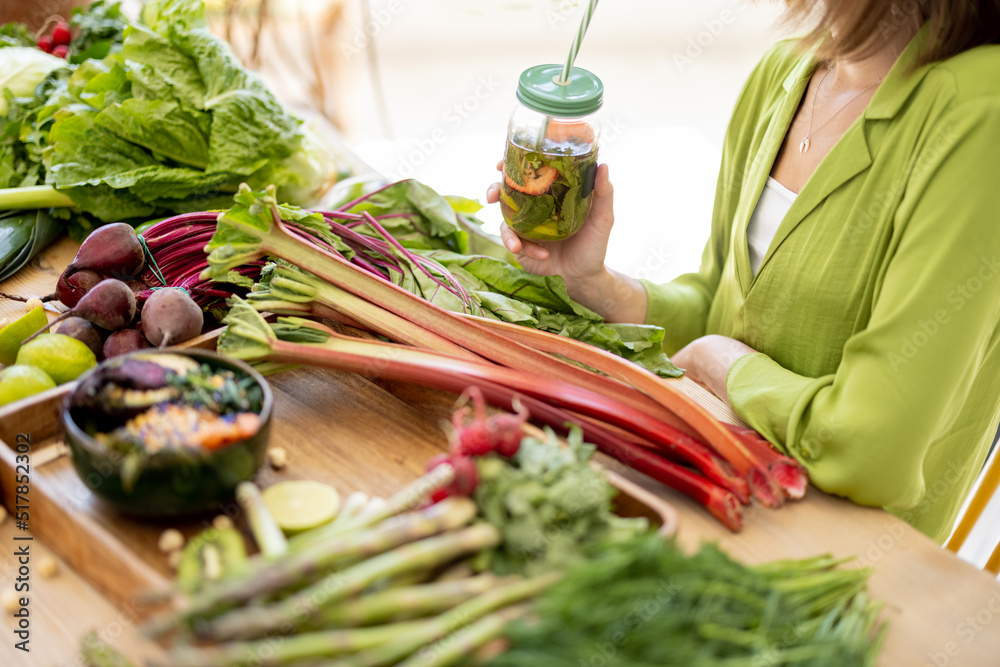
(111, 251)
(73, 285)
(170, 317)
(109, 304)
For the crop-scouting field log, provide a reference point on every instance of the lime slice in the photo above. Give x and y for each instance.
(63, 357)
(17, 382)
(301, 505)
(12, 334)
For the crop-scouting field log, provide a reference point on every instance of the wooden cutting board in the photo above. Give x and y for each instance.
(337, 428)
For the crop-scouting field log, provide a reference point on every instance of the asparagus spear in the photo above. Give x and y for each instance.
(270, 539)
(268, 576)
(463, 643)
(412, 495)
(354, 503)
(399, 604)
(405, 644)
(96, 653)
(297, 609)
(275, 651)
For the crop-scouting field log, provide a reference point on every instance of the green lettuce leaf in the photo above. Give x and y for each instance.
(163, 127)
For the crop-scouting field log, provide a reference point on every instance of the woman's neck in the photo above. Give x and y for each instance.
(895, 32)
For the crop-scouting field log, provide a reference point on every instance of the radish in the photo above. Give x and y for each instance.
(170, 316)
(124, 341)
(466, 476)
(109, 304)
(505, 430)
(84, 331)
(113, 251)
(61, 35)
(472, 438)
(500, 433)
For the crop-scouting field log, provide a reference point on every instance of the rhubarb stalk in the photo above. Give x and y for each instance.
(249, 337)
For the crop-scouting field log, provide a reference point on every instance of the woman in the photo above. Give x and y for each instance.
(848, 301)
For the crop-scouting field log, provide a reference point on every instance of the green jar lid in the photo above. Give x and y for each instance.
(538, 90)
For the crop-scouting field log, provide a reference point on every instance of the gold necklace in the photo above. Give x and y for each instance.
(805, 143)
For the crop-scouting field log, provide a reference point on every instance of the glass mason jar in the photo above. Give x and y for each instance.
(550, 162)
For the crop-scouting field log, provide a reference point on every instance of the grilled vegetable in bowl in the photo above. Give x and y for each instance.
(167, 433)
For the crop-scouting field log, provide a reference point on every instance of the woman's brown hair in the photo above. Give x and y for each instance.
(954, 25)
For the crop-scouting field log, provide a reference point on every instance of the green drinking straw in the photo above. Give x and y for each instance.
(575, 48)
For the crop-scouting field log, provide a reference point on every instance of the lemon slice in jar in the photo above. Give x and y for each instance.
(301, 505)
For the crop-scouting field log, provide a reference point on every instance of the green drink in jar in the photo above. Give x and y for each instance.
(550, 161)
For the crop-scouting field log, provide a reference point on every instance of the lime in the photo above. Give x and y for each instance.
(61, 356)
(300, 505)
(12, 334)
(19, 381)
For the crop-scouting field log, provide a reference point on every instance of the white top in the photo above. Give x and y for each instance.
(771, 208)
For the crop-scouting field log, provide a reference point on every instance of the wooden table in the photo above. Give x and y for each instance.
(941, 611)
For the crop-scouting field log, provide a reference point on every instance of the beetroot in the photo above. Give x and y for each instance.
(73, 285)
(170, 317)
(111, 251)
(124, 341)
(84, 331)
(109, 304)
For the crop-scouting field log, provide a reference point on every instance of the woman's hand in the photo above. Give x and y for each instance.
(580, 259)
(707, 361)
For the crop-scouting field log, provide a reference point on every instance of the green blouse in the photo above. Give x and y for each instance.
(876, 308)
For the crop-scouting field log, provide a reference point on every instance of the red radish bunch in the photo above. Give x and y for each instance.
(500, 433)
(57, 42)
(481, 435)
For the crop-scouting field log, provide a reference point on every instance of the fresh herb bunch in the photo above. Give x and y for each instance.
(552, 508)
(26, 131)
(221, 391)
(15, 34)
(644, 602)
(99, 30)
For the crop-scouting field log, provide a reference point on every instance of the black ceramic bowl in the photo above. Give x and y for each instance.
(171, 483)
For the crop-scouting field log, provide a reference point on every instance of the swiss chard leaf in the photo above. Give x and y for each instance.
(546, 305)
(415, 215)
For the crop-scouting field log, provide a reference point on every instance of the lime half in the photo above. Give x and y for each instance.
(301, 505)
(12, 334)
